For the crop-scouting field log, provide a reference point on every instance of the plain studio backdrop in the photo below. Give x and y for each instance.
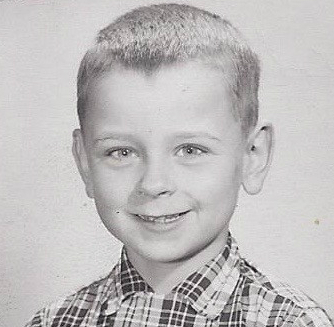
(52, 241)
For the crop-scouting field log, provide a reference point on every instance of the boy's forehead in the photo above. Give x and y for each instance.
(127, 95)
(194, 76)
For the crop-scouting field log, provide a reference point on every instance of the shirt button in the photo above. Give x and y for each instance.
(112, 306)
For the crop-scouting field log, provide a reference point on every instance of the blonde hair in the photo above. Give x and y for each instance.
(156, 36)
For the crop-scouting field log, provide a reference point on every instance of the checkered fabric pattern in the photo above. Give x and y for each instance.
(227, 291)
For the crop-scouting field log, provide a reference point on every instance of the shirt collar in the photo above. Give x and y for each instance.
(207, 289)
(124, 281)
(130, 280)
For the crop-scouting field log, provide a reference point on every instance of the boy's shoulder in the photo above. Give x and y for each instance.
(80, 307)
(267, 294)
(255, 280)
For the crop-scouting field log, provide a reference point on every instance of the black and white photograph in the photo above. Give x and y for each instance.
(167, 163)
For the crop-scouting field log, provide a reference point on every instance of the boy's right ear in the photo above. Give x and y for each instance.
(80, 156)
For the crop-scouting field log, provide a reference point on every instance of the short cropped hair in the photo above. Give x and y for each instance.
(152, 37)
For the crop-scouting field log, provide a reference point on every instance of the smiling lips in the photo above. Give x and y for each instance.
(164, 219)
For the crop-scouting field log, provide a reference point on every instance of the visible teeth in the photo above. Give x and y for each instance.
(160, 219)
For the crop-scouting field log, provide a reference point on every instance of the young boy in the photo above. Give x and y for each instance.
(168, 108)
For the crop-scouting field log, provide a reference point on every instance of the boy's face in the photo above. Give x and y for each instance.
(162, 157)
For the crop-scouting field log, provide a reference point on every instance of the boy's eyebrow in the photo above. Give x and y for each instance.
(192, 135)
(130, 137)
(114, 136)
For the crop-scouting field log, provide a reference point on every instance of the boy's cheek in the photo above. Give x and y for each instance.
(213, 177)
(110, 190)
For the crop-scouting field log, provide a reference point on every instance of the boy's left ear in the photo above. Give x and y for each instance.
(257, 158)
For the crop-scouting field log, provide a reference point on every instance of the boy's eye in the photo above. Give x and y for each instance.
(121, 154)
(190, 151)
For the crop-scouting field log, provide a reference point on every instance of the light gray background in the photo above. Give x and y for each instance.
(52, 241)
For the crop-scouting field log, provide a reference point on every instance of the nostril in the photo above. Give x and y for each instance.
(165, 193)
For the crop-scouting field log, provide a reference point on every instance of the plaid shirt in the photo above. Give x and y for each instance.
(227, 291)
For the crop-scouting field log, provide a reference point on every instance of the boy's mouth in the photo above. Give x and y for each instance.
(163, 219)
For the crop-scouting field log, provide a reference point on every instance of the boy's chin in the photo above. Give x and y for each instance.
(168, 256)
(171, 253)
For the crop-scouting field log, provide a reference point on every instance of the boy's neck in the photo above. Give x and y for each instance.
(164, 276)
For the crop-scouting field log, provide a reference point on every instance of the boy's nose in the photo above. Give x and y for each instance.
(156, 181)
